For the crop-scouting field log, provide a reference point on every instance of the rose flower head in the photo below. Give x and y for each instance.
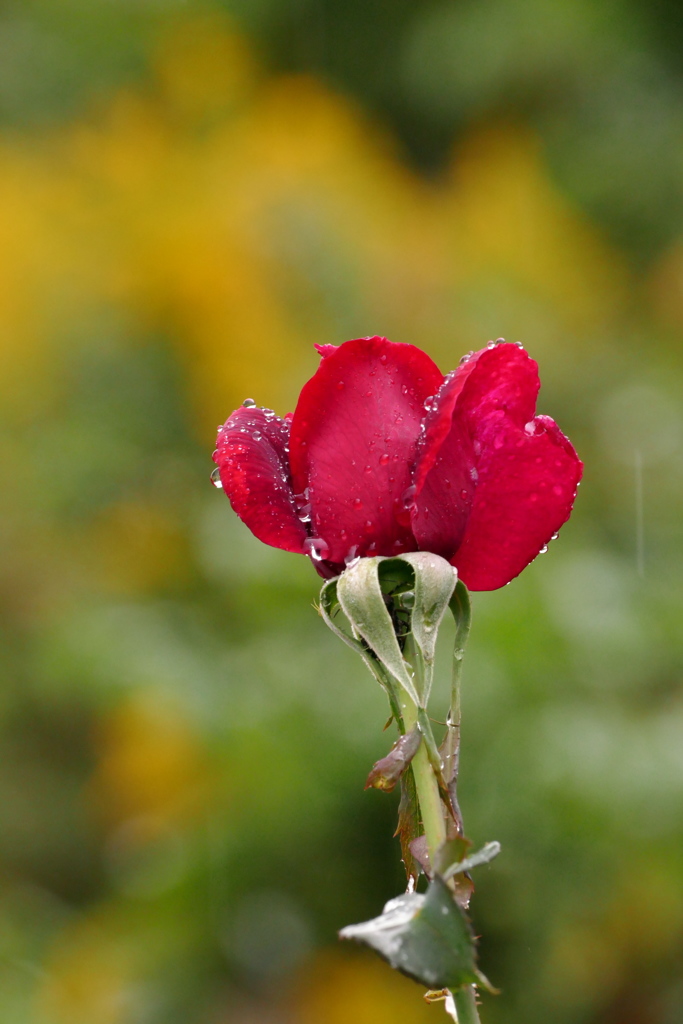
(384, 455)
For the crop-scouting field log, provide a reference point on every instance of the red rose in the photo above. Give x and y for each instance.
(384, 455)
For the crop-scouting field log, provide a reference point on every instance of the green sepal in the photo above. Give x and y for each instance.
(435, 581)
(362, 601)
(329, 603)
(428, 938)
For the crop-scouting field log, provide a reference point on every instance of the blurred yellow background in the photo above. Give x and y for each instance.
(192, 195)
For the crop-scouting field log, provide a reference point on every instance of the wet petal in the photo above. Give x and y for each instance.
(445, 474)
(353, 442)
(528, 477)
(252, 456)
(504, 377)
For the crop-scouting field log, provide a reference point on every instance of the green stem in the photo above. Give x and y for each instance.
(466, 1005)
(429, 798)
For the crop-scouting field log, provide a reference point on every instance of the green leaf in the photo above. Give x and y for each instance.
(388, 770)
(428, 938)
(360, 595)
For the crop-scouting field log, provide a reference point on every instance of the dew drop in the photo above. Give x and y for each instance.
(408, 497)
(304, 513)
(384, 459)
(216, 479)
(383, 358)
(543, 549)
(519, 344)
(464, 494)
(317, 548)
(352, 556)
(368, 469)
(530, 427)
(357, 503)
(257, 435)
(340, 385)
(474, 473)
(248, 403)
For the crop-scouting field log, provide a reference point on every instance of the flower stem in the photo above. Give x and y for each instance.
(429, 798)
(466, 1005)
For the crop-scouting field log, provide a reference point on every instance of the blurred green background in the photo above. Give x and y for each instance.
(191, 195)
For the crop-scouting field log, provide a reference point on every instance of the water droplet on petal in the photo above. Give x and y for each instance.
(464, 494)
(519, 344)
(352, 556)
(474, 473)
(357, 503)
(383, 358)
(383, 459)
(340, 385)
(248, 403)
(543, 549)
(530, 427)
(408, 497)
(317, 548)
(216, 479)
(257, 435)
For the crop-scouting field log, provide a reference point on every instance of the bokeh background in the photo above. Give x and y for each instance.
(191, 195)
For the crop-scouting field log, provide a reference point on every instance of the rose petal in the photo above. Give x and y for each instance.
(527, 485)
(353, 442)
(500, 379)
(254, 468)
(444, 477)
(503, 377)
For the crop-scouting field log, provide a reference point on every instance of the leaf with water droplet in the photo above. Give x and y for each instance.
(428, 938)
